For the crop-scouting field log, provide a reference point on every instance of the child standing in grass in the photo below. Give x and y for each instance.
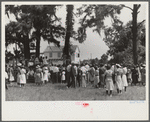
(63, 76)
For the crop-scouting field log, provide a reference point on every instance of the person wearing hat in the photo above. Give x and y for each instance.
(92, 74)
(38, 75)
(124, 77)
(102, 70)
(135, 74)
(96, 79)
(118, 79)
(21, 80)
(143, 74)
(11, 74)
(83, 72)
(109, 81)
(73, 74)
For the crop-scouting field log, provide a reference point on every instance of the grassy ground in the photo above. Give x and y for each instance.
(58, 92)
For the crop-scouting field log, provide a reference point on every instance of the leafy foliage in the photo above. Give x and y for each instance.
(94, 16)
(119, 40)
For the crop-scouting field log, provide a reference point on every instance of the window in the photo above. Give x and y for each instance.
(59, 54)
(50, 55)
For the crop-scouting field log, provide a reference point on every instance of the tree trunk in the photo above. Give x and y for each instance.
(69, 27)
(38, 43)
(26, 47)
(134, 31)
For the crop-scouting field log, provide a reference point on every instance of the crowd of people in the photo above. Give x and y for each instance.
(110, 77)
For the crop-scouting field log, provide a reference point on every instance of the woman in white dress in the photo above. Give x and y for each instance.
(109, 81)
(11, 74)
(83, 70)
(124, 78)
(96, 79)
(118, 79)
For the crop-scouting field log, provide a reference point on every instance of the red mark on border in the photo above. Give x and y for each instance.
(85, 104)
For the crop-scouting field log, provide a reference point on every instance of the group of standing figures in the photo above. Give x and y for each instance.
(107, 76)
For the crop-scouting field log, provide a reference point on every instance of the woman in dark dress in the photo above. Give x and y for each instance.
(134, 76)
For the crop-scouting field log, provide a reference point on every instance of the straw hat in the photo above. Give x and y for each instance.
(37, 66)
(19, 64)
(118, 65)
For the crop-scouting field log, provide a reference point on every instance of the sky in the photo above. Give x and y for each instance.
(93, 46)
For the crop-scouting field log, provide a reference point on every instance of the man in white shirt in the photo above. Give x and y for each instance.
(87, 73)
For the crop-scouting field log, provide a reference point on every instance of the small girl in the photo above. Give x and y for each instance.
(45, 75)
(63, 78)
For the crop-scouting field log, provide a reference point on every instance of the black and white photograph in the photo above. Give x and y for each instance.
(74, 57)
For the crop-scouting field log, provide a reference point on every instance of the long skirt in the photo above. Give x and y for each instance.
(143, 78)
(83, 81)
(22, 79)
(109, 84)
(119, 83)
(124, 81)
(96, 80)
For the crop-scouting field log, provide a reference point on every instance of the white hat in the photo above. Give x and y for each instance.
(143, 65)
(45, 68)
(118, 65)
(37, 66)
(19, 64)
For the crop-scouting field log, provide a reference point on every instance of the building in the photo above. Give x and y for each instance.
(54, 54)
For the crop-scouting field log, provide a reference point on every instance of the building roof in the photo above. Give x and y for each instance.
(58, 49)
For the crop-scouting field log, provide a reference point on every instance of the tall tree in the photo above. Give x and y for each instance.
(69, 30)
(134, 30)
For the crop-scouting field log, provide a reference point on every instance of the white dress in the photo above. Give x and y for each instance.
(45, 75)
(118, 79)
(124, 77)
(22, 76)
(11, 77)
(108, 80)
(63, 76)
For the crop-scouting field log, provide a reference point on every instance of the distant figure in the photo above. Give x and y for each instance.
(73, 74)
(87, 73)
(63, 78)
(21, 75)
(143, 74)
(68, 70)
(11, 74)
(102, 70)
(134, 75)
(38, 75)
(83, 79)
(92, 74)
(118, 79)
(124, 78)
(96, 79)
(129, 75)
(109, 81)
(6, 80)
(45, 75)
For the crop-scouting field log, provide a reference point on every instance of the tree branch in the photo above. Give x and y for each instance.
(127, 7)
